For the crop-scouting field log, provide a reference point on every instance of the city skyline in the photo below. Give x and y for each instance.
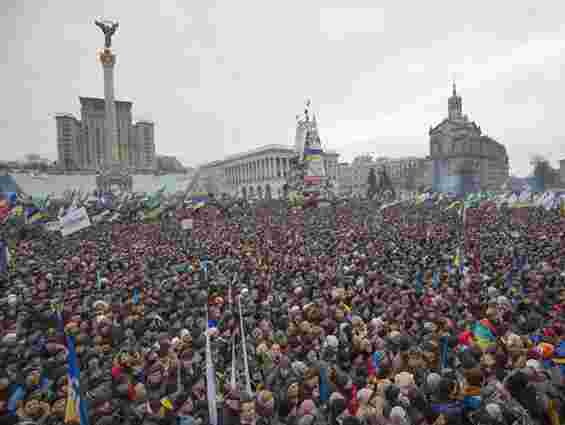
(236, 84)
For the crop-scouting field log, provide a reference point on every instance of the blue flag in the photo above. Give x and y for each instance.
(18, 395)
(324, 385)
(376, 359)
(136, 296)
(3, 257)
(435, 280)
(509, 279)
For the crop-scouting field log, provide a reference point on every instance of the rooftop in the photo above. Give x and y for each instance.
(257, 151)
(65, 115)
(99, 99)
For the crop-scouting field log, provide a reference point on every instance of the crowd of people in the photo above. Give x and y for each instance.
(268, 314)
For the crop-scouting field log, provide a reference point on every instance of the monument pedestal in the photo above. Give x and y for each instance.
(105, 182)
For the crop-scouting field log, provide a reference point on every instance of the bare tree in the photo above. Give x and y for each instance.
(543, 172)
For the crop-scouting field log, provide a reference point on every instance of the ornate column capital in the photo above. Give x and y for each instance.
(106, 57)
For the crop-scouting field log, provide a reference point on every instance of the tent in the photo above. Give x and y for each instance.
(8, 184)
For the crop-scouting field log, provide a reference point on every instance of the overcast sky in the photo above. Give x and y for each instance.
(221, 77)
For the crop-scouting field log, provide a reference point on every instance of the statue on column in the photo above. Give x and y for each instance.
(109, 29)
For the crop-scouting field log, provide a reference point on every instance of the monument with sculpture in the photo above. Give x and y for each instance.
(112, 172)
(307, 177)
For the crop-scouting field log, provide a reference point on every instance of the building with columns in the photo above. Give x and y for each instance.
(257, 174)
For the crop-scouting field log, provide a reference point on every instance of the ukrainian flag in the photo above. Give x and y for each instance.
(75, 412)
(198, 197)
(483, 335)
(562, 208)
(313, 158)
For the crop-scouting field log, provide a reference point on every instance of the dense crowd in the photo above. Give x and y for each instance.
(347, 314)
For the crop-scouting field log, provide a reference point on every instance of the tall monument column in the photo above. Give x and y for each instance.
(108, 60)
(111, 151)
(112, 173)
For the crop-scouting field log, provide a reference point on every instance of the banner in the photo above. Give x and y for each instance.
(74, 221)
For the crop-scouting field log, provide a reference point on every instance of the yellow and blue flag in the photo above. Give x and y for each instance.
(75, 412)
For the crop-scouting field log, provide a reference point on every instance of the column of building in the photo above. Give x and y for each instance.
(261, 170)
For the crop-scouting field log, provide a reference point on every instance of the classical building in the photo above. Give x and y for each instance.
(259, 173)
(463, 158)
(86, 150)
(266, 172)
(562, 171)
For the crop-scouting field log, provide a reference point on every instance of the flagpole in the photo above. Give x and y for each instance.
(210, 377)
(244, 349)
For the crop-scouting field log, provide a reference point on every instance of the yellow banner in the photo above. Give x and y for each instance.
(119, 152)
(116, 153)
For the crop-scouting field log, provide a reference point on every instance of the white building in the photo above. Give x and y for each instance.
(259, 173)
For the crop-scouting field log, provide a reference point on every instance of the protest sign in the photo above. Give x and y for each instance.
(74, 221)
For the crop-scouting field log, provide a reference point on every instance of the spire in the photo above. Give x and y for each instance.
(454, 105)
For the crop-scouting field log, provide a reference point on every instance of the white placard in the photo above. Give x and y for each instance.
(74, 221)
(99, 217)
(53, 226)
(186, 224)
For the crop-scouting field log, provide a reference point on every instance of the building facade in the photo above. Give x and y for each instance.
(353, 177)
(143, 146)
(68, 141)
(345, 179)
(463, 158)
(406, 174)
(259, 173)
(135, 148)
(562, 171)
(169, 163)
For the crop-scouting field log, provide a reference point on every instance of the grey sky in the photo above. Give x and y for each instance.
(220, 77)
